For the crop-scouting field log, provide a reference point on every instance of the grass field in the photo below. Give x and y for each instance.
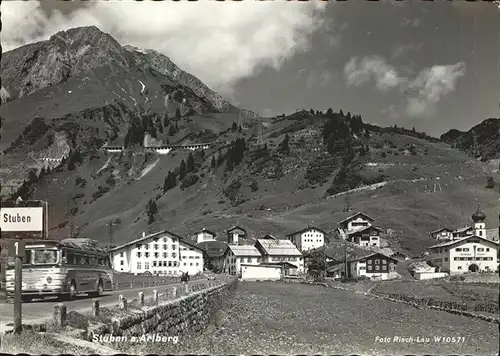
(442, 290)
(277, 318)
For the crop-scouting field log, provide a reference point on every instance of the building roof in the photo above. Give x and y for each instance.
(306, 229)
(279, 247)
(370, 255)
(356, 215)
(441, 229)
(363, 228)
(181, 240)
(236, 227)
(478, 215)
(207, 231)
(269, 237)
(462, 229)
(213, 248)
(243, 250)
(453, 242)
(260, 265)
(282, 264)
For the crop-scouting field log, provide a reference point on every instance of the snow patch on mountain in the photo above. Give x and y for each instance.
(4, 95)
(143, 86)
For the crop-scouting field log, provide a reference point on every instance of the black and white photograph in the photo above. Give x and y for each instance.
(249, 177)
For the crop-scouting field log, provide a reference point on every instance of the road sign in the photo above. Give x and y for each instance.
(23, 219)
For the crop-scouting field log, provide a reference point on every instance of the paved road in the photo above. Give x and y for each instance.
(37, 311)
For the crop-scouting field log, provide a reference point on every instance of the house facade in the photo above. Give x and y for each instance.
(374, 266)
(236, 255)
(235, 234)
(356, 221)
(365, 236)
(308, 239)
(161, 253)
(205, 235)
(468, 254)
(274, 251)
(462, 232)
(442, 234)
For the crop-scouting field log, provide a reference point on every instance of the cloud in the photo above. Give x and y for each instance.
(404, 49)
(320, 78)
(422, 93)
(407, 22)
(218, 42)
(358, 72)
(430, 86)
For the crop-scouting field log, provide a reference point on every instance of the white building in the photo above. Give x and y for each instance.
(205, 235)
(260, 272)
(161, 253)
(356, 221)
(308, 238)
(365, 236)
(468, 254)
(235, 255)
(273, 251)
(235, 234)
(442, 234)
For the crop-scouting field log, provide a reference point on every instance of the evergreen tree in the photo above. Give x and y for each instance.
(311, 111)
(413, 129)
(171, 130)
(213, 163)
(151, 210)
(362, 151)
(190, 163)
(177, 114)
(234, 127)
(182, 170)
(170, 182)
(165, 120)
(329, 112)
(341, 113)
(284, 145)
(176, 127)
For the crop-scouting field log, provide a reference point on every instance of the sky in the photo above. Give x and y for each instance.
(429, 65)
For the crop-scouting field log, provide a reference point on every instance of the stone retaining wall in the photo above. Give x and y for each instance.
(188, 313)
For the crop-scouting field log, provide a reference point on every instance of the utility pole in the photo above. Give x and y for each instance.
(110, 235)
(345, 257)
(475, 148)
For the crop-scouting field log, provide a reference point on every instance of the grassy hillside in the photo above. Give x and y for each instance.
(408, 193)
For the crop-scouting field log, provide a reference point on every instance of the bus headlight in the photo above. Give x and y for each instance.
(49, 280)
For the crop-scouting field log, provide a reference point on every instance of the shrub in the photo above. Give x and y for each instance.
(490, 183)
(383, 155)
(189, 181)
(80, 182)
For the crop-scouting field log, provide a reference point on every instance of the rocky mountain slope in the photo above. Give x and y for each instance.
(272, 175)
(483, 140)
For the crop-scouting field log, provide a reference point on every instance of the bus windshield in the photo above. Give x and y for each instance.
(44, 257)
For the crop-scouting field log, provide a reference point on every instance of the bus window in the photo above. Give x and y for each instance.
(93, 261)
(101, 262)
(108, 262)
(86, 260)
(42, 257)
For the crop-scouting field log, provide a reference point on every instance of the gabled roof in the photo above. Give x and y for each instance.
(462, 229)
(306, 229)
(243, 250)
(370, 255)
(181, 240)
(207, 231)
(282, 264)
(356, 215)
(442, 229)
(236, 227)
(279, 247)
(269, 237)
(453, 242)
(363, 228)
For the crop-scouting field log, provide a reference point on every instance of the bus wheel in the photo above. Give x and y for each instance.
(100, 289)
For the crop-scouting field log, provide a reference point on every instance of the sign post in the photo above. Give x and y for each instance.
(19, 254)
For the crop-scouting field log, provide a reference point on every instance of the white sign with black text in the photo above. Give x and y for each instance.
(21, 219)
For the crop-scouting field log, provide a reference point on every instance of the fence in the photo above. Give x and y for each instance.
(153, 282)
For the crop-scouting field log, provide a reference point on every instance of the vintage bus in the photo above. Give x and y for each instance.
(63, 269)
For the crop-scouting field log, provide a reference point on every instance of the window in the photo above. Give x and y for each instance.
(121, 254)
(169, 263)
(377, 262)
(249, 261)
(157, 254)
(165, 246)
(147, 254)
(197, 263)
(146, 265)
(173, 247)
(138, 254)
(487, 249)
(458, 249)
(459, 267)
(154, 263)
(446, 258)
(164, 255)
(377, 268)
(164, 239)
(369, 262)
(479, 249)
(384, 262)
(156, 246)
(138, 265)
(138, 246)
(191, 264)
(155, 239)
(121, 263)
(174, 255)
(146, 247)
